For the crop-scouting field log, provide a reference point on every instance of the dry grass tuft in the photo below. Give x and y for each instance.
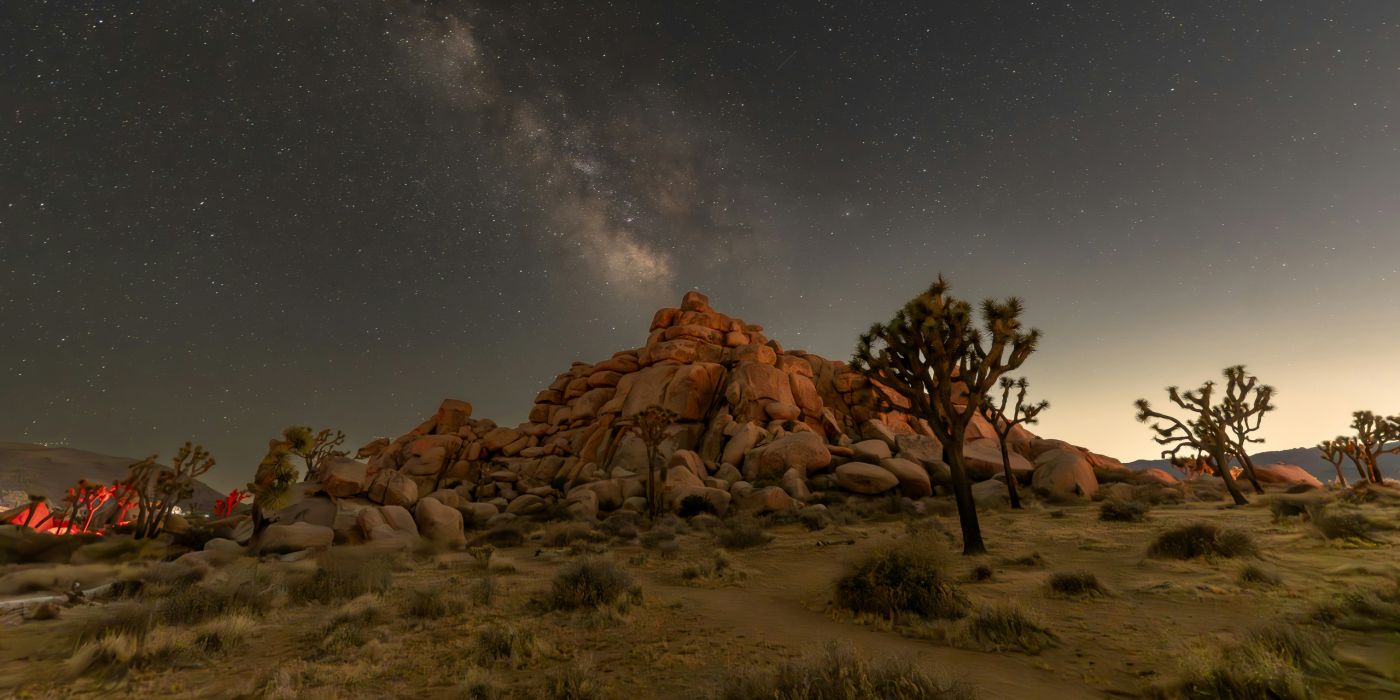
(1202, 540)
(1075, 584)
(590, 583)
(1004, 628)
(494, 644)
(909, 577)
(840, 673)
(342, 574)
(1123, 511)
(1255, 575)
(1275, 663)
(742, 532)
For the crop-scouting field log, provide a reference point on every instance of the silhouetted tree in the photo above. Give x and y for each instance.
(314, 448)
(1334, 452)
(1005, 416)
(1374, 436)
(926, 353)
(158, 488)
(1206, 431)
(1244, 404)
(650, 427)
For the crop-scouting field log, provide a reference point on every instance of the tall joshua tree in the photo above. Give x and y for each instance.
(158, 488)
(931, 350)
(650, 427)
(314, 448)
(1206, 431)
(272, 482)
(1244, 404)
(1334, 452)
(1005, 416)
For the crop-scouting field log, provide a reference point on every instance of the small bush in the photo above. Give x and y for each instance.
(814, 519)
(589, 583)
(694, 505)
(224, 633)
(1364, 609)
(717, 566)
(980, 574)
(573, 682)
(1123, 511)
(1202, 540)
(1000, 629)
(742, 532)
(432, 604)
(342, 574)
(1030, 561)
(126, 619)
(1343, 524)
(564, 534)
(908, 577)
(510, 644)
(189, 603)
(654, 539)
(1255, 575)
(840, 673)
(1075, 584)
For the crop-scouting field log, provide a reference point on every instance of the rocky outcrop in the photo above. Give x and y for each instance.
(759, 428)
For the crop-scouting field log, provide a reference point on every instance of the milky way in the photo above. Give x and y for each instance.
(219, 218)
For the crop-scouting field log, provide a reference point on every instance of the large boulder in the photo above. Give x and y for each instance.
(1155, 476)
(804, 451)
(1285, 475)
(861, 477)
(991, 494)
(439, 523)
(913, 478)
(983, 460)
(919, 448)
(452, 414)
(344, 477)
(872, 450)
(744, 436)
(391, 487)
(769, 499)
(1064, 475)
(285, 539)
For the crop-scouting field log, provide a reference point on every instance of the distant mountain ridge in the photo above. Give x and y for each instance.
(50, 471)
(1306, 457)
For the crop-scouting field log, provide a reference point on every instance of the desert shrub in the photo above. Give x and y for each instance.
(555, 511)
(653, 539)
(510, 644)
(814, 519)
(115, 548)
(477, 685)
(484, 591)
(342, 574)
(1343, 524)
(589, 583)
(1255, 575)
(718, 565)
(349, 627)
(188, 603)
(908, 577)
(1074, 584)
(573, 682)
(1123, 511)
(840, 673)
(742, 532)
(132, 620)
(432, 604)
(223, 633)
(694, 505)
(1202, 540)
(981, 573)
(1059, 514)
(1030, 561)
(1364, 609)
(1004, 628)
(564, 534)
(1276, 663)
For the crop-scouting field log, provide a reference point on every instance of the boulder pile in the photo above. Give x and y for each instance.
(759, 428)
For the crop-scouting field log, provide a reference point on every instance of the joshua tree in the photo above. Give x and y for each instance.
(930, 351)
(1004, 418)
(650, 426)
(272, 482)
(314, 448)
(159, 488)
(1334, 452)
(1375, 436)
(1244, 404)
(1206, 431)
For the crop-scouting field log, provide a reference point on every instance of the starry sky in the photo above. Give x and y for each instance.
(218, 218)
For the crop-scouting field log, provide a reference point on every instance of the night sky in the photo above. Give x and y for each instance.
(219, 218)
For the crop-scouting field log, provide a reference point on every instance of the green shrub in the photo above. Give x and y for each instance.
(908, 577)
(1004, 628)
(1075, 584)
(840, 673)
(1123, 511)
(589, 583)
(742, 532)
(1202, 540)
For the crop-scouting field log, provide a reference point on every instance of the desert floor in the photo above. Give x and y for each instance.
(772, 603)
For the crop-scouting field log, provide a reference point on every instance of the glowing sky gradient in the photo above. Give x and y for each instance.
(220, 218)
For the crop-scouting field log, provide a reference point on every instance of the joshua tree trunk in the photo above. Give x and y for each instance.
(1222, 464)
(1340, 479)
(1248, 465)
(1010, 478)
(962, 493)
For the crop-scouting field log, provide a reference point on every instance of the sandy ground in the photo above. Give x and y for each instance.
(686, 636)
